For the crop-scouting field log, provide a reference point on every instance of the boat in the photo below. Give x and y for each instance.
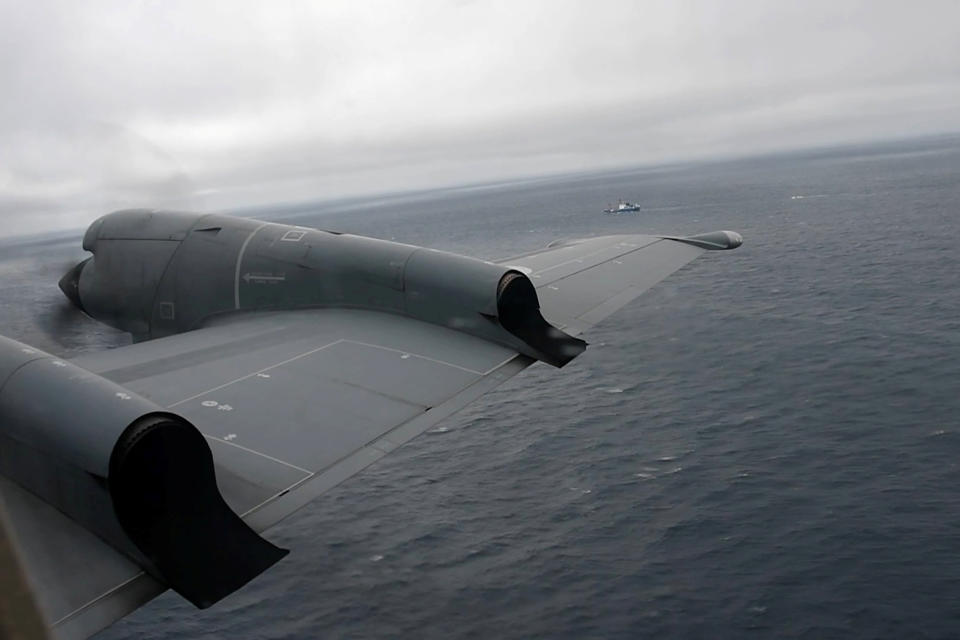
(623, 207)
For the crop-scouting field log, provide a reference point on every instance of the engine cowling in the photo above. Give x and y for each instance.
(139, 477)
(159, 273)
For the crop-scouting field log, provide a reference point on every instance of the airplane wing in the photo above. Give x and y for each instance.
(581, 282)
(292, 403)
(19, 615)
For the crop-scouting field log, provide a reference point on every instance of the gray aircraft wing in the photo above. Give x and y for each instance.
(293, 403)
(581, 282)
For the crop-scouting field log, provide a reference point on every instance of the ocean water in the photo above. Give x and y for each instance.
(766, 444)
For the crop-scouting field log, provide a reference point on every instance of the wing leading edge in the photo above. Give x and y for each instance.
(581, 282)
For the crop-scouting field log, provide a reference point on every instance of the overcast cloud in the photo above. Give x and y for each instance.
(223, 104)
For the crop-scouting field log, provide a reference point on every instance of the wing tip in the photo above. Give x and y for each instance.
(713, 241)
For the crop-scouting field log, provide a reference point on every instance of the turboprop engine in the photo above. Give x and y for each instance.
(139, 477)
(159, 273)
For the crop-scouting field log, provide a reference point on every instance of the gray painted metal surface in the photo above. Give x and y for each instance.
(68, 436)
(156, 274)
(81, 583)
(302, 357)
(20, 618)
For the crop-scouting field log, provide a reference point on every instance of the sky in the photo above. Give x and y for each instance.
(219, 105)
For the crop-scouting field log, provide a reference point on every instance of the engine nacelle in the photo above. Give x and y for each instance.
(159, 273)
(140, 478)
(132, 250)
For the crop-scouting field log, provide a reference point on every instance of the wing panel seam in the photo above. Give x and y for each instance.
(415, 355)
(105, 594)
(593, 266)
(372, 444)
(250, 375)
(259, 453)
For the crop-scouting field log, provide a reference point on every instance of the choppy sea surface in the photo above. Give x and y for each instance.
(765, 444)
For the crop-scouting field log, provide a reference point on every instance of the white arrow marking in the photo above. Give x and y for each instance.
(230, 436)
(122, 395)
(263, 277)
